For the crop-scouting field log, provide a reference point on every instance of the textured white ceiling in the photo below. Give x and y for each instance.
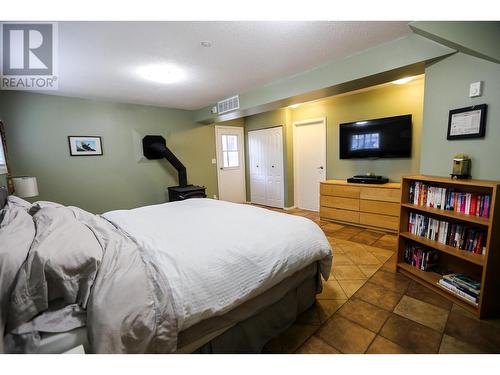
(99, 59)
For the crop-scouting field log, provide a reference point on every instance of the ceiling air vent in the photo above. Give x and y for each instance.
(228, 105)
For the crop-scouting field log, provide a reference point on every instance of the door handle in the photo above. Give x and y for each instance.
(321, 167)
(272, 166)
(221, 168)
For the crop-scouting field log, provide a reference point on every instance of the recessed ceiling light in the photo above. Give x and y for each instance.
(206, 43)
(162, 73)
(294, 105)
(402, 81)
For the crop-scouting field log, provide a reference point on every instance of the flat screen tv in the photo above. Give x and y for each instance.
(388, 137)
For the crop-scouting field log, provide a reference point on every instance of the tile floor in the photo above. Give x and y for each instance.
(366, 307)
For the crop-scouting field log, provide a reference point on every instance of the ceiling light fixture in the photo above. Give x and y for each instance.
(162, 73)
(402, 81)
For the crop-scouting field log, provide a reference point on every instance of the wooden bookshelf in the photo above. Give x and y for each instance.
(484, 268)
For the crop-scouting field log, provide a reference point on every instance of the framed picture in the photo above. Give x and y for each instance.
(85, 146)
(468, 122)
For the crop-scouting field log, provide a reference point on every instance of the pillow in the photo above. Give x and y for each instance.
(17, 232)
(12, 200)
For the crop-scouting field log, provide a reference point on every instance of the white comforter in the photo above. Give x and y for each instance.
(217, 255)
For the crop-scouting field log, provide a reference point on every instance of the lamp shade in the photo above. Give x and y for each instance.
(25, 187)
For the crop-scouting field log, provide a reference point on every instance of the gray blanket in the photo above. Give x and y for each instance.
(80, 262)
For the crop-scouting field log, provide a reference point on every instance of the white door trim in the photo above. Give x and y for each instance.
(295, 174)
(242, 154)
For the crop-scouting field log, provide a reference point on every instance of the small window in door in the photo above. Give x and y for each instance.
(230, 152)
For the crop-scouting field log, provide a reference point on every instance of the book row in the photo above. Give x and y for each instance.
(420, 256)
(452, 234)
(462, 286)
(425, 195)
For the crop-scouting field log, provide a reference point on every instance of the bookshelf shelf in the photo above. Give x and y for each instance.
(483, 268)
(430, 279)
(449, 214)
(462, 254)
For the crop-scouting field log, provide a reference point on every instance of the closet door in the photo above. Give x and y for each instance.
(256, 167)
(265, 149)
(274, 167)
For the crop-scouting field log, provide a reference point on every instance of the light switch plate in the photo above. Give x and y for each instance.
(214, 161)
(475, 89)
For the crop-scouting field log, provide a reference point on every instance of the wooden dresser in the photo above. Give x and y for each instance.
(370, 206)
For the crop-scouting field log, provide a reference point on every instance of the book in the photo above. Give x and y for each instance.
(460, 279)
(458, 292)
(438, 197)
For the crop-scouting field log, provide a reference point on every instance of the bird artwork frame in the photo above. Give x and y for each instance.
(85, 145)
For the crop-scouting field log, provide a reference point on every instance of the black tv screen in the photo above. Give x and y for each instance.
(388, 137)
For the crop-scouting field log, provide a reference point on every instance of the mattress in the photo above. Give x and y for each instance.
(217, 255)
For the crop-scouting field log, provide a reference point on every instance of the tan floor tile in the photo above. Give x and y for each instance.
(382, 253)
(378, 295)
(363, 257)
(420, 292)
(365, 314)
(383, 346)
(391, 281)
(315, 345)
(366, 237)
(345, 335)
(349, 246)
(341, 259)
(474, 332)
(347, 272)
(388, 241)
(290, 340)
(332, 290)
(391, 264)
(351, 286)
(347, 232)
(422, 312)
(327, 307)
(450, 345)
(368, 269)
(411, 335)
(330, 228)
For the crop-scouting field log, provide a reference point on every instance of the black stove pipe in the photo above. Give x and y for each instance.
(154, 147)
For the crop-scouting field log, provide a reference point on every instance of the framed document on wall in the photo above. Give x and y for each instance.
(468, 122)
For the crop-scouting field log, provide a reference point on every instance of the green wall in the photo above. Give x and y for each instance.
(37, 127)
(447, 87)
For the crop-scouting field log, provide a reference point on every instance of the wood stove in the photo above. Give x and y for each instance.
(154, 148)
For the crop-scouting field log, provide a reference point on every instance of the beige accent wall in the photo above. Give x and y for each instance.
(383, 101)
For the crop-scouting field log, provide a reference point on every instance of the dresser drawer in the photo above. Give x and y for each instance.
(381, 221)
(381, 194)
(340, 202)
(377, 207)
(338, 214)
(340, 190)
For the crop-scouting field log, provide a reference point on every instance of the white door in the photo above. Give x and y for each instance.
(230, 163)
(309, 155)
(265, 151)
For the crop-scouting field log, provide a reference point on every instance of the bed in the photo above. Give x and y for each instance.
(195, 276)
